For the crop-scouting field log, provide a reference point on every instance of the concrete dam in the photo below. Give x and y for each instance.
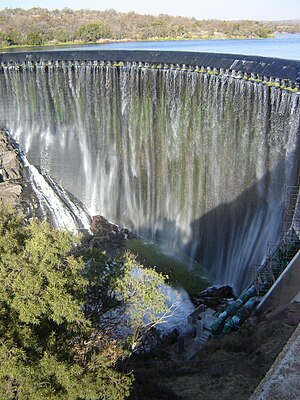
(193, 150)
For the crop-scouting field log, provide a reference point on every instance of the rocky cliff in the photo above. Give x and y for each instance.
(11, 175)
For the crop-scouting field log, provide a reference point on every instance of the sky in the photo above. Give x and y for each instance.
(201, 9)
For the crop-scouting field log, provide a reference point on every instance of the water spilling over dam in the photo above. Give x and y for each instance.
(196, 158)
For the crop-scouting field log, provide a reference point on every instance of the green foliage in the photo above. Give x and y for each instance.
(61, 35)
(10, 38)
(54, 379)
(141, 291)
(48, 349)
(38, 270)
(93, 32)
(34, 38)
(159, 28)
(176, 267)
(60, 26)
(263, 32)
(133, 292)
(3, 41)
(101, 273)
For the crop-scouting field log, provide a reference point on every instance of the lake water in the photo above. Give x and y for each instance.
(285, 46)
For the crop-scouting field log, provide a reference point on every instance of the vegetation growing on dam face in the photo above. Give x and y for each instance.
(56, 341)
(181, 271)
(39, 26)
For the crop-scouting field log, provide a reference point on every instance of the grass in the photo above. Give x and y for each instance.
(182, 272)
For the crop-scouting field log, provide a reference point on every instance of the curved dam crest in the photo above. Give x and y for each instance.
(264, 66)
(191, 149)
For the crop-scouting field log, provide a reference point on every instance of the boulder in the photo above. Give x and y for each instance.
(101, 226)
(215, 297)
(108, 236)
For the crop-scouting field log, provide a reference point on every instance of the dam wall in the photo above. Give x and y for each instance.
(192, 150)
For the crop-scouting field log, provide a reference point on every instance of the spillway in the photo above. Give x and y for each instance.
(192, 150)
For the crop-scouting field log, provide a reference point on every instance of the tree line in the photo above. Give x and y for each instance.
(39, 26)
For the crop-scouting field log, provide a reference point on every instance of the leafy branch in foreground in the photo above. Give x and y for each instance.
(126, 299)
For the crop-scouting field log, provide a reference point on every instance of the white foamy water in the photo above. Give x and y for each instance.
(180, 307)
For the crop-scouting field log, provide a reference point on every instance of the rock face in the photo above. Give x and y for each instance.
(10, 172)
(15, 187)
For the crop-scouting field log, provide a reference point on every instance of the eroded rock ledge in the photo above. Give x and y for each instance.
(10, 172)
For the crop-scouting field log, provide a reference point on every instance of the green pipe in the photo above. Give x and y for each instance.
(235, 322)
(218, 325)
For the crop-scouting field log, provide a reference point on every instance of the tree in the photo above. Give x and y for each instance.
(38, 271)
(3, 41)
(61, 35)
(93, 32)
(34, 38)
(11, 37)
(65, 321)
(48, 348)
(127, 299)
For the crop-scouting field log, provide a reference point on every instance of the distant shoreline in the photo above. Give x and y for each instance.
(112, 41)
(37, 27)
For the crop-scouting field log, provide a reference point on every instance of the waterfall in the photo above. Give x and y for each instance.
(197, 161)
(55, 204)
(49, 200)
